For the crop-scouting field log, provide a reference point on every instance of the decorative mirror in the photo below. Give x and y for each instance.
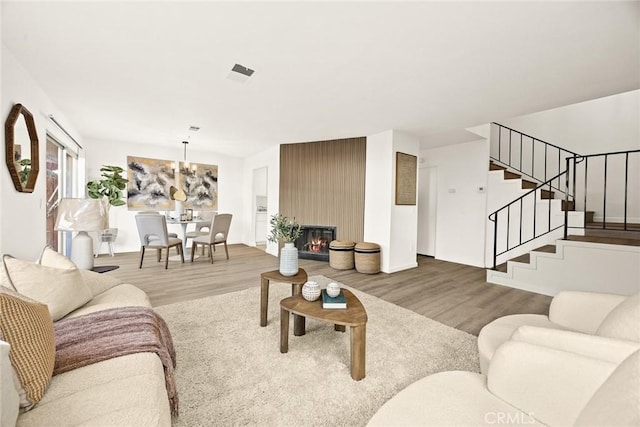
(21, 142)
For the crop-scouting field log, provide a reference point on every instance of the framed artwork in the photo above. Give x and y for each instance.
(200, 184)
(149, 183)
(406, 176)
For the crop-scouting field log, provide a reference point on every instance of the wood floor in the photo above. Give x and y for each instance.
(454, 294)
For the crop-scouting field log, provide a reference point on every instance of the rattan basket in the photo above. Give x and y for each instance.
(367, 257)
(341, 254)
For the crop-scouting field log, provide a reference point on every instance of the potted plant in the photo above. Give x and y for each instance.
(286, 230)
(110, 188)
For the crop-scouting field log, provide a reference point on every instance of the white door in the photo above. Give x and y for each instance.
(427, 197)
(259, 206)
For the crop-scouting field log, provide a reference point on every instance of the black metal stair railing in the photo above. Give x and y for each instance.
(512, 218)
(529, 156)
(606, 184)
(603, 184)
(543, 163)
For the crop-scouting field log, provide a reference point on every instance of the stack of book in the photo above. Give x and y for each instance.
(332, 303)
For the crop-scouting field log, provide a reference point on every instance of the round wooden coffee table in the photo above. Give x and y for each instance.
(354, 316)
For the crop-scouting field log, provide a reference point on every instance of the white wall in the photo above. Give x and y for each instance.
(596, 126)
(379, 193)
(230, 185)
(22, 218)
(271, 160)
(461, 209)
(394, 228)
(404, 219)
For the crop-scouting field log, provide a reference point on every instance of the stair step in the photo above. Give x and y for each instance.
(526, 258)
(571, 204)
(550, 249)
(617, 226)
(608, 238)
(588, 216)
(495, 167)
(511, 175)
(526, 184)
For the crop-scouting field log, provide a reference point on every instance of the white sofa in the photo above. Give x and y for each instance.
(528, 384)
(123, 391)
(607, 315)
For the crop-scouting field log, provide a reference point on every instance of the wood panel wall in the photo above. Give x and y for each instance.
(322, 183)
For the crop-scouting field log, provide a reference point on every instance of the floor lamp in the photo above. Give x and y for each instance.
(81, 215)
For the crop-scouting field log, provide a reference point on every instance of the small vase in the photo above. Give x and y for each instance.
(311, 291)
(289, 260)
(333, 289)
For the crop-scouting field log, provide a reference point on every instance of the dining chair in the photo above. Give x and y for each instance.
(156, 213)
(218, 232)
(152, 230)
(203, 226)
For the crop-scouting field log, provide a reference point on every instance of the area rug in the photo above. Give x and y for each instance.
(231, 372)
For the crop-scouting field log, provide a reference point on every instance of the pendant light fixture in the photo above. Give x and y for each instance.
(177, 193)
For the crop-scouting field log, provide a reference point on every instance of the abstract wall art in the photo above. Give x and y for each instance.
(200, 183)
(149, 184)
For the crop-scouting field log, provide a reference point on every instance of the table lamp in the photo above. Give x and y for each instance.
(81, 215)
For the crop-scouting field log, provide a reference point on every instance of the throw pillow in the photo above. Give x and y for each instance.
(4, 278)
(97, 283)
(622, 322)
(51, 258)
(62, 290)
(27, 326)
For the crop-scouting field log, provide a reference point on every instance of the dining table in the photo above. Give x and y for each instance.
(183, 224)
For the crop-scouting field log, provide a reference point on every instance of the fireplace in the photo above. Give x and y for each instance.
(314, 242)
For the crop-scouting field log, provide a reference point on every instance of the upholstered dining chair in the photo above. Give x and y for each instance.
(156, 213)
(218, 233)
(152, 230)
(203, 226)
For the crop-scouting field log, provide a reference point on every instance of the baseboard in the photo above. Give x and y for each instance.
(401, 268)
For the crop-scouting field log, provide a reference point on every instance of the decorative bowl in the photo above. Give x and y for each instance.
(311, 291)
(333, 289)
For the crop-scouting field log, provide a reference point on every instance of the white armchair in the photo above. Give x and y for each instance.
(606, 315)
(527, 384)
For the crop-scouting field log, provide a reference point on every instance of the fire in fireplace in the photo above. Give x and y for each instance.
(314, 241)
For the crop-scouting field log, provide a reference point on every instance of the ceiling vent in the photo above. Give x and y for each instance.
(240, 73)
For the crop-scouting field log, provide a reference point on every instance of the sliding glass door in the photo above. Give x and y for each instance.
(61, 181)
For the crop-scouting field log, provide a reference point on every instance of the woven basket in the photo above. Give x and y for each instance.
(367, 257)
(341, 254)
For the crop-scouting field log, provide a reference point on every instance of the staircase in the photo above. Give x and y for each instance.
(540, 242)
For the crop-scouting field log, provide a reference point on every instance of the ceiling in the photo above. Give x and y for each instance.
(145, 71)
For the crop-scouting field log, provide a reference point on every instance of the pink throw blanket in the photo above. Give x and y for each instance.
(94, 337)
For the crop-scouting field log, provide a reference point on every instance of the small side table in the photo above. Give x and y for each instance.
(296, 288)
(354, 316)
